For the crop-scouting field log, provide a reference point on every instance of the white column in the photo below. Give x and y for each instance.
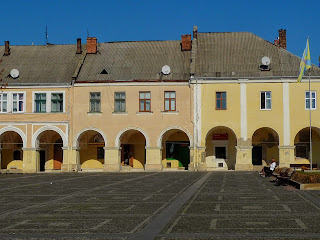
(286, 114)
(197, 115)
(243, 110)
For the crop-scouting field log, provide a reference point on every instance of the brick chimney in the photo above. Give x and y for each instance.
(195, 32)
(283, 38)
(79, 47)
(186, 42)
(6, 48)
(91, 45)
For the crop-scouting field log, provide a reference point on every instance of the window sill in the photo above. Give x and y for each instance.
(312, 109)
(169, 112)
(144, 113)
(265, 109)
(119, 113)
(94, 113)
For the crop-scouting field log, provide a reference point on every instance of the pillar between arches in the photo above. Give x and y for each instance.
(31, 160)
(286, 156)
(244, 155)
(153, 159)
(199, 159)
(112, 161)
(71, 160)
(191, 164)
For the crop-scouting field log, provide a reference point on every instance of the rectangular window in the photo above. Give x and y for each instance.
(119, 101)
(17, 102)
(3, 102)
(221, 100)
(265, 100)
(170, 101)
(313, 100)
(144, 101)
(40, 102)
(56, 102)
(95, 102)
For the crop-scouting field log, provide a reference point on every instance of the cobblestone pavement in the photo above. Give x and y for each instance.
(168, 205)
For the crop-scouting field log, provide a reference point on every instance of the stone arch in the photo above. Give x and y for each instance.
(117, 140)
(159, 142)
(35, 136)
(76, 138)
(265, 145)
(18, 131)
(302, 145)
(220, 142)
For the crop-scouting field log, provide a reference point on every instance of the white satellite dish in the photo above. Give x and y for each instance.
(265, 60)
(166, 70)
(14, 73)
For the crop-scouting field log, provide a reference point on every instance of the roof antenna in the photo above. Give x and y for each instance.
(46, 35)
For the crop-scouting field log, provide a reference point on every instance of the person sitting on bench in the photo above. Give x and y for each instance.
(267, 171)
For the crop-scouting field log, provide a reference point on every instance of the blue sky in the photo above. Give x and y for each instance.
(24, 22)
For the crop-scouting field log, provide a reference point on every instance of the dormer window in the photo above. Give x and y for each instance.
(104, 71)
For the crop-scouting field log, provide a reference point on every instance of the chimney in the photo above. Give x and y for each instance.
(195, 32)
(6, 48)
(91, 45)
(283, 38)
(186, 42)
(79, 48)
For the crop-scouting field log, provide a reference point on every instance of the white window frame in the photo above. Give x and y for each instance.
(265, 100)
(48, 101)
(1, 102)
(10, 102)
(315, 98)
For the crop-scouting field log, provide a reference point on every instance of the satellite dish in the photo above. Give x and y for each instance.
(14, 73)
(265, 60)
(166, 70)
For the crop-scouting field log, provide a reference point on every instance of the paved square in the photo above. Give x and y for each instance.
(167, 205)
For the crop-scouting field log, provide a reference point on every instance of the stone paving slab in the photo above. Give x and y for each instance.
(221, 205)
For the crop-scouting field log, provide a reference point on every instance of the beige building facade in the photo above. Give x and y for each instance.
(208, 103)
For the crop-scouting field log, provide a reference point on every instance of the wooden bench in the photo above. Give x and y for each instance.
(284, 176)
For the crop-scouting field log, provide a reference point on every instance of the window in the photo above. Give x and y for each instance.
(313, 100)
(265, 100)
(40, 102)
(119, 101)
(221, 100)
(56, 102)
(3, 102)
(17, 102)
(170, 101)
(144, 101)
(95, 102)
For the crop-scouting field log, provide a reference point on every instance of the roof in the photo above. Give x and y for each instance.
(239, 54)
(49, 64)
(141, 60)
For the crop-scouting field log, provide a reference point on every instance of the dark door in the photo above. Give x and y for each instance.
(257, 155)
(42, 160)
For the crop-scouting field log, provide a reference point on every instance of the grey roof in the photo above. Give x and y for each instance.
(141, 60)
(239, 54)
(52, 64)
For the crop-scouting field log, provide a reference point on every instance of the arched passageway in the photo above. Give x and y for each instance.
(11, 151)
(133, 149)
(50, 150)
(91, 150)
(302, 146)
(175, 149)
(265, 146)
(221, 152)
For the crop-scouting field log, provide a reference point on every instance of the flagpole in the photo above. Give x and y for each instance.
(310, 129)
